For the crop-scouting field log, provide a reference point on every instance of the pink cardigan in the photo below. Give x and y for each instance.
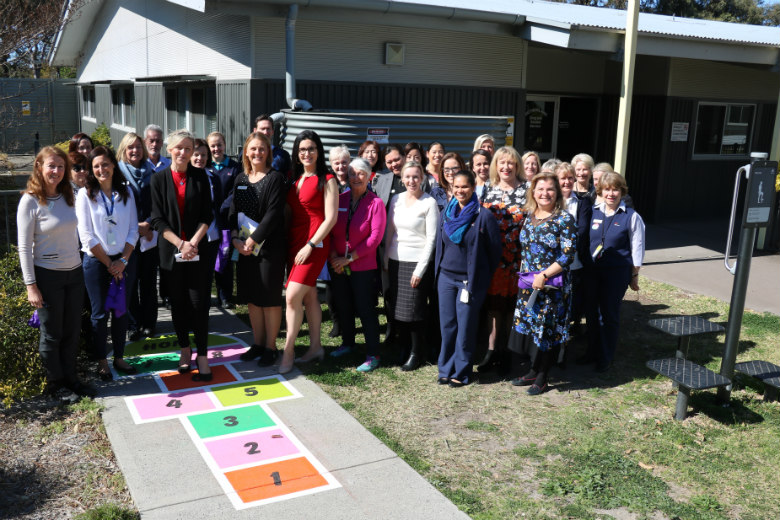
(365, 231)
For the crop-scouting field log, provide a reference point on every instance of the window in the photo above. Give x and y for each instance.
(123, 106)
(724, 129)
(191, 107)
(88, 102)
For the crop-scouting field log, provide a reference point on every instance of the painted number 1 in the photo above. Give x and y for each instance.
(277, 478)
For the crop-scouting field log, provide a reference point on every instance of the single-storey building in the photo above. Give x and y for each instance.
(705, 92)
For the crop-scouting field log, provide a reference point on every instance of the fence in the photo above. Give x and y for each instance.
(28, 107)
(9, 201)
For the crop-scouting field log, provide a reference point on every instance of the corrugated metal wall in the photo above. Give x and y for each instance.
(233, 116)
(645, 145)
(53, 113)
(149, 105)
(456, 132)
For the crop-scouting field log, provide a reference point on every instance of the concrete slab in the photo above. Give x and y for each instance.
(692, 258)
(169, 478)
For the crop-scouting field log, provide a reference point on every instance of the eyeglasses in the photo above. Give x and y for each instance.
(456, 169)
(77, 168)
(311, 150)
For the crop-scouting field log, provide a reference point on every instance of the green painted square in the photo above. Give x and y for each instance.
(169, 343)
(223, 422)
(251, 392)
(155, 363)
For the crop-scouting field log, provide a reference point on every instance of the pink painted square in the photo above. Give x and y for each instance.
(172, 404)
(249, 448)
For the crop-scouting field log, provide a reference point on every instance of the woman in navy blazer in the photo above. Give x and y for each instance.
(181, 214)
(468, 248)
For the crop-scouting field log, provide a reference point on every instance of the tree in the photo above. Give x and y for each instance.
(28, 29)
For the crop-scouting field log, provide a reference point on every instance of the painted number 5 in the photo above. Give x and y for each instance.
(250, 391)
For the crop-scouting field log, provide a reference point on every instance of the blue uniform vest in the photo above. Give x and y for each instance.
(614, 233)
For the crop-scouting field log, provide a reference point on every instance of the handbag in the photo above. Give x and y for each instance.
(115, 299)
(526, 280)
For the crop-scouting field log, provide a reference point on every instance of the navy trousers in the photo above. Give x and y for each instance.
(608, 285)
(459, 322)
(356, 296)
(97, 280)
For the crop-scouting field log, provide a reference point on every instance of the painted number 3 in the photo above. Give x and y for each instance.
(230, 420)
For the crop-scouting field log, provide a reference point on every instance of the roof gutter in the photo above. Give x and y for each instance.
(64, 18)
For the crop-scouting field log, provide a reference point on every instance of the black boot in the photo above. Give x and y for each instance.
(487, 361)
(416, 356)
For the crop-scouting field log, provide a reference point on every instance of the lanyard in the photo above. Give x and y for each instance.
(606, 225)
(109, 212)
(351, 213)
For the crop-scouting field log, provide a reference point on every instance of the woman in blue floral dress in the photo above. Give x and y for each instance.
(548, 241)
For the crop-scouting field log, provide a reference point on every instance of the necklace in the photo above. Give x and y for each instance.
(536, 220)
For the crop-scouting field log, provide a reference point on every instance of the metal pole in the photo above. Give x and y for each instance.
(747, 239)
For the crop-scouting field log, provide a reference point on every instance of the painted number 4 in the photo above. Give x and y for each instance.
(174, 403)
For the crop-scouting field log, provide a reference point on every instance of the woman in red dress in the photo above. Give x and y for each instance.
(313, 200)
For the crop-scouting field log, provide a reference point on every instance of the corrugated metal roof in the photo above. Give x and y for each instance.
(541, 11)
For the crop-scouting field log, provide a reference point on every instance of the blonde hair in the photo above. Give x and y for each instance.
(177, 136)
(481, 140)
(584, 158)
(503, 152)
(126, 141)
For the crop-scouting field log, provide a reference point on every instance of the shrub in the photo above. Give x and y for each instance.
(5, 164)
(64, 145)
(101, 136)
(21, 372)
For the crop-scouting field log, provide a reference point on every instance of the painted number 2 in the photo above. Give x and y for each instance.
(277, 478)
(252, 448)
(230, 420)
(250, 391)
(174, 403)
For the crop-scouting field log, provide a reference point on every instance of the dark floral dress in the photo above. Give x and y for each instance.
(542, 244)
(507, 207)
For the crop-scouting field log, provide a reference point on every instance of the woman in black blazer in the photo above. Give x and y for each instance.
(181, 214)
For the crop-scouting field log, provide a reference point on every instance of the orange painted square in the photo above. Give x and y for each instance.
(257, 482)
(177, 381)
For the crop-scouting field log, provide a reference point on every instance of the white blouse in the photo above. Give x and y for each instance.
(411, 231)
(112, 231)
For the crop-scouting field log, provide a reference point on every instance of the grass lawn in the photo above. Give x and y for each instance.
(594, 446)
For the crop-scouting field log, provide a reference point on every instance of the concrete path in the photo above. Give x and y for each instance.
(691, 257)
(172, 474)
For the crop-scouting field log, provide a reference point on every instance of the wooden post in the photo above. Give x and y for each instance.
(627, 86)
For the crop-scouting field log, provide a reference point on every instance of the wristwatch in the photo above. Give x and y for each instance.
(349, 257)
(122, 259)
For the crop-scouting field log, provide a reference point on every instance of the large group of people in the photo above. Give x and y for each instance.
(500, 255)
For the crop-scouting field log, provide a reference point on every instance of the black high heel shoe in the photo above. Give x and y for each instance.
(200, 376)
(185, 367)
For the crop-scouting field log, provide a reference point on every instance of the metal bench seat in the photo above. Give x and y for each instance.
(767, 372)
(689, 376)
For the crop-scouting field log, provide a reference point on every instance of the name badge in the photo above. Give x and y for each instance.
(596, 223)
(343, 210)
(241, 187)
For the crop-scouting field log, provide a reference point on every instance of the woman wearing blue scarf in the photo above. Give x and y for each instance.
(468, 248)
(133, 164)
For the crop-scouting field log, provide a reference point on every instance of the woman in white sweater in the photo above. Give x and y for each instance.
(412, 220)
(108, 229)
(51, 268)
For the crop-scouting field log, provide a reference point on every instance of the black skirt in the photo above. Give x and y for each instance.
(259, 280)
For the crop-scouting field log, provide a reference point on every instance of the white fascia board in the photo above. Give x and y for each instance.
(195, 5)
(598, 41)
(555, 36)
(700, 50)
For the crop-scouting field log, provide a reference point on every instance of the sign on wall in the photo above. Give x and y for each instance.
(679, 132)
(26, 108)
(380, 135)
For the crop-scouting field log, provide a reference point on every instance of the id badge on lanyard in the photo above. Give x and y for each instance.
(109, 219)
